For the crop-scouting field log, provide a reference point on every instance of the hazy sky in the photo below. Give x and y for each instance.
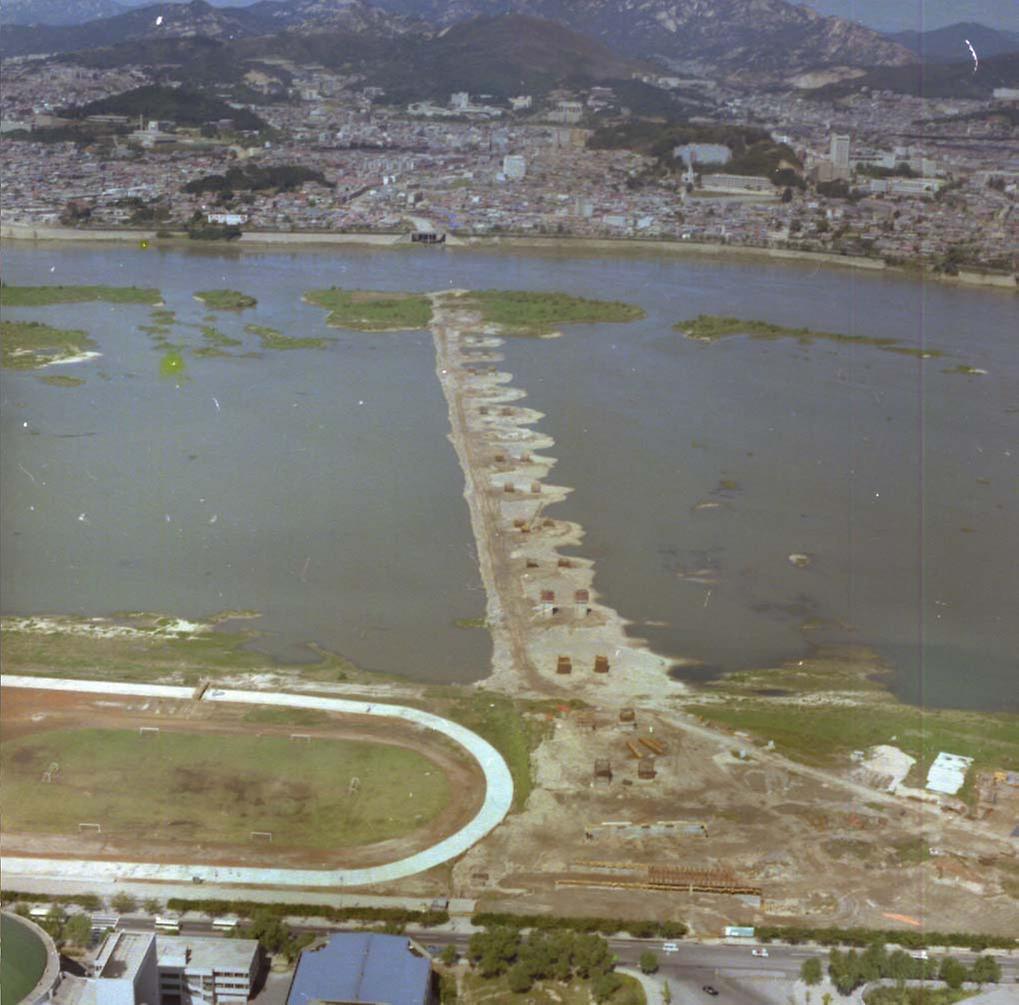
(921, 15)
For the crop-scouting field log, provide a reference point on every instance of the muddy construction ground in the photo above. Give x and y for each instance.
(33, 713)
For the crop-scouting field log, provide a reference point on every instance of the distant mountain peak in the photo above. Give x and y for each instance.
(948, 44)
(771, 38)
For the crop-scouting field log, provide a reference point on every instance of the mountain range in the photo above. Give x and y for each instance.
(951, 43)
(750, 39)
(510, 44)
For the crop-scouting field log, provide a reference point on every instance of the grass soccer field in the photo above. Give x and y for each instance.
(217, 789)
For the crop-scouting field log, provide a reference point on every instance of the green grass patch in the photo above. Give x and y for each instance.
(28, 345)
(471, 623)
(476, 990)
(834, 670)
(162, 316)
(62, 380)
(712, 327)
(915, 996)
(524, 312)
(217, 789)
(825, 734)
(502, 722)
(157, 330)
(273, 338)
(225, 300)
(912, 851)
(286, 716)
(46, 296)
(369, 311)
(71, 648)
(22, 962)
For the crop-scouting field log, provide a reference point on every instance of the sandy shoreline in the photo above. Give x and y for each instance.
(569, 246)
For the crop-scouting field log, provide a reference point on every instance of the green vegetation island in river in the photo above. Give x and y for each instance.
(47, 296)
(712, 327)
(225, 300)
(29, 345)
(372, 310)
(524, 312)
(516, 312)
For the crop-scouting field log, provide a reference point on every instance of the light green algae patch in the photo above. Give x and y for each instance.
(28, 345)
(712, 327)
(525, 312)
(225, 300)
(365, 310)
(272, 338)
(172, 364)
(46, 296)
(61, 380)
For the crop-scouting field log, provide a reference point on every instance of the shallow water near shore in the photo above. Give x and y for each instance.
(344, 522)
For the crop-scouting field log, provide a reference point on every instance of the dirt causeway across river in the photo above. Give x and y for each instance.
(541, 605)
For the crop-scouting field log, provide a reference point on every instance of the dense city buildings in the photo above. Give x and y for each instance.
(882, 175)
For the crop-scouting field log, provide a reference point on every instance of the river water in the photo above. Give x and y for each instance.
(338, 499)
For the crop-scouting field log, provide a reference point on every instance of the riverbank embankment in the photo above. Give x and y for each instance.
(571, 246)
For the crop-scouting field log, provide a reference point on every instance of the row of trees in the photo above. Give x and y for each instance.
(863, 937)
(556, 955)
(396, 917)
(603, 926)
(849, 970)
(122, 902)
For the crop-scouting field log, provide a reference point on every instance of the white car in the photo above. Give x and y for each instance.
(670, 947)
(759, 952)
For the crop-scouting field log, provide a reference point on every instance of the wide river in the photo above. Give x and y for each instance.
(318, 486)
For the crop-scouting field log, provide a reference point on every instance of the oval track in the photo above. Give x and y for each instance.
(498, 796)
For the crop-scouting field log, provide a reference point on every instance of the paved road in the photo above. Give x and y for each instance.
(704, 961)
(498, 798)
(739, 977)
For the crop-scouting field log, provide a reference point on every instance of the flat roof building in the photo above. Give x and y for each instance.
(146, 969)
(125, 970)
(362, 967)
(196, 970)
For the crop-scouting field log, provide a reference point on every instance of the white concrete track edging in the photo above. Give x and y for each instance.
(498, 797)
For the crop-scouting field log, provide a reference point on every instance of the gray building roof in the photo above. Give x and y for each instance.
(361, 967)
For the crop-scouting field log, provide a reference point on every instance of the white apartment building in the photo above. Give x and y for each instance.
(205, 971)
(140, 968)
